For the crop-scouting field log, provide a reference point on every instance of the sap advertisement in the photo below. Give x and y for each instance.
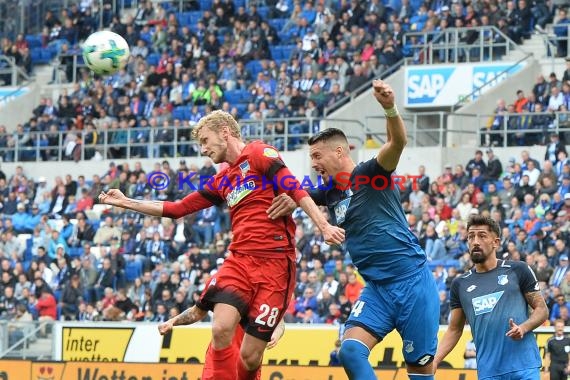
(445, 86)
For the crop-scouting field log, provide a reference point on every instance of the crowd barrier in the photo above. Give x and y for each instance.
(28, 370)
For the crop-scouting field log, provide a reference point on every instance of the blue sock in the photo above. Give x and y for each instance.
(354, 358)
(414, 376)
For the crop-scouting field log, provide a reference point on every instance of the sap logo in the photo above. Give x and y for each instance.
(486, 304)
(492, 76)
(340, 210)
(426, 86)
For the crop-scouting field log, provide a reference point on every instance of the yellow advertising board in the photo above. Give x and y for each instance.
(26, 370)
(95, 344)
(310, 347)
(300, 346)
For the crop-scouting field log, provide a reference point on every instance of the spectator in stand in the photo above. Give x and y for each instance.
(46, 307)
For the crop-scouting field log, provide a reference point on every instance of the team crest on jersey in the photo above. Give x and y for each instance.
(503, 279)
(567, 349)
(485, 304)
(244, 167)
(270, 152)
(408, 346)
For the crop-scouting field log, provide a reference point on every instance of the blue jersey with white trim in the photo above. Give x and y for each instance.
(489, 300)
(378, 238)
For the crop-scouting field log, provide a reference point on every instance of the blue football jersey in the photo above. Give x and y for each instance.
(378, 238)
(489, 300)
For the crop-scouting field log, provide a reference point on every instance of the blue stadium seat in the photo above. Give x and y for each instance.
(286, 51)
(254, 67)
(275, 52)
(195, 17)
(179, 113)
(152, 59)
(33, 41)
(133, 271)
(205, 5)
(263, 12)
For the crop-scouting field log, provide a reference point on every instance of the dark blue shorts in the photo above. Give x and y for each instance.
(410, 306)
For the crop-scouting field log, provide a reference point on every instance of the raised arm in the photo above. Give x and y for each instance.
(451, 336)
(396, 140)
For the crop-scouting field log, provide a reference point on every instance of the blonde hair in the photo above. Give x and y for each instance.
(215, 121)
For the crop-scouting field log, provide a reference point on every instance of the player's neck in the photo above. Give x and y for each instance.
(235, 147)
(487, 266)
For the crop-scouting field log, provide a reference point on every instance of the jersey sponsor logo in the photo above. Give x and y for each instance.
(239, 193)
(270, 152)
(471, 288)
(503, 279)
(340, 210)
(244, 167)
(485, 304)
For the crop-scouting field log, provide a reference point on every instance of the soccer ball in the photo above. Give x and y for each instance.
(105, 52)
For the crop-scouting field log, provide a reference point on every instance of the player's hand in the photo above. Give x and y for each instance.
(516, 331)
(165, 327)
(333, 235)
(383, 93)
(113, 197)
(276, 336)
(282, 205)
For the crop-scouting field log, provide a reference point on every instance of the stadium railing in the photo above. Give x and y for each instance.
(284, 134)
(10, 73)
(19, 340)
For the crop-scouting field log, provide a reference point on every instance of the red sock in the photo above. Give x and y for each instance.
(217, 365)
(245, 374)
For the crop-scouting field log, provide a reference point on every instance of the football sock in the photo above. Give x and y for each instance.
(354, 358)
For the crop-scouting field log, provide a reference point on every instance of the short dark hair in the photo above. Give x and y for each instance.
(326, 135)
(479, 220)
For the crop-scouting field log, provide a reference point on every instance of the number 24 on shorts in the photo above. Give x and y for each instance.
(357, 308)
(266, 310)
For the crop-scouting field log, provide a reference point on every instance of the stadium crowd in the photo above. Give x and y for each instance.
(284, 59)
(64, 258)
(529, 119)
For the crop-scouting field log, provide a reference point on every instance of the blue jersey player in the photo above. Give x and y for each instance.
(494, 297)
(400, 291)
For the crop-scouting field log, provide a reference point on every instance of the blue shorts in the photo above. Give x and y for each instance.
(410, 306)
(523, 374)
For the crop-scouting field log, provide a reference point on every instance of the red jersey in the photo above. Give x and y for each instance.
(247, 188)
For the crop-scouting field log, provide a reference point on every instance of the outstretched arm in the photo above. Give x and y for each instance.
(191, 203)
(187, 317)
(396, 139)
(115, 197)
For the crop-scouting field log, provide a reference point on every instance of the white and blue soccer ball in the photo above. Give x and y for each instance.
(105, 52)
